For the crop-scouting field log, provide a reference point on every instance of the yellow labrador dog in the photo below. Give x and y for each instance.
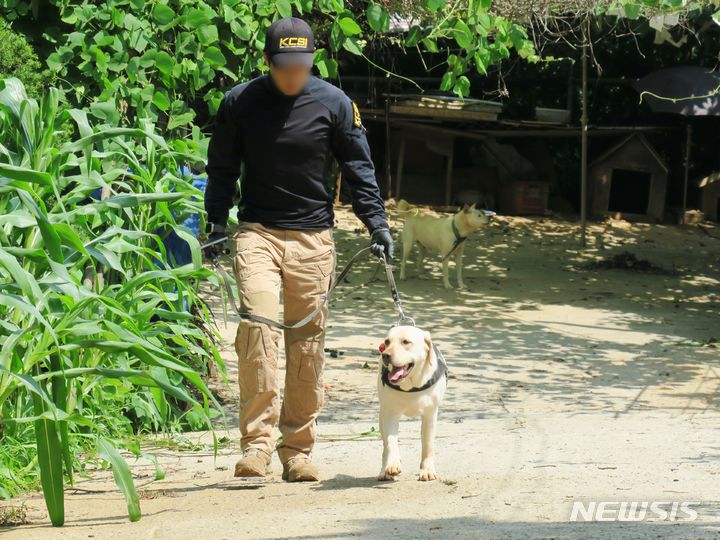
(411, 383)
(445, 236)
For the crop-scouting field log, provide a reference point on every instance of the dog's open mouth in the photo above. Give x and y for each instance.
(397, 374)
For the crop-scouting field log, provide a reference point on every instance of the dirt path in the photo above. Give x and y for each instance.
(567, 384)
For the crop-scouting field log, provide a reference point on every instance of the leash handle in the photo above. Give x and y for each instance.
(218, 241)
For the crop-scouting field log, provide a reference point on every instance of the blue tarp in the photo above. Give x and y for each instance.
(177, 248)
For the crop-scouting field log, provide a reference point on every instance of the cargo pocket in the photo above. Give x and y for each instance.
(311, 362)
(257, 359)
(320, 267)
(326, 265)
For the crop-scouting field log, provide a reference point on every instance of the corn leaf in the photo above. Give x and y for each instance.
(49, 452)
(24, 174)
(123, 478)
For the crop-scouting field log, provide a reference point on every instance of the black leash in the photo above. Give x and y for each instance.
(228, 283)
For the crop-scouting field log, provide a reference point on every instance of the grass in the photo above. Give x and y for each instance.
(13, 515)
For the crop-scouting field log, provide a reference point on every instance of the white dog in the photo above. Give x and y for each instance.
(411, 382)
(445, 236)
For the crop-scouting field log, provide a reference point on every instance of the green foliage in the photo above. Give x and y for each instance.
(100, 336)
(166, 58)
(155, 59)
(377, 18)
(17, 59)
(163, 59)
(483, 38)
(634, 9)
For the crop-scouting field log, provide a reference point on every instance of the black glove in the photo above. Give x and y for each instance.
(381, 242)
(217, 247)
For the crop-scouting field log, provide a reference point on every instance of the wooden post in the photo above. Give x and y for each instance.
(449, 173)
(688, 148)
(388, 155)
(400, 165)
(584, 145)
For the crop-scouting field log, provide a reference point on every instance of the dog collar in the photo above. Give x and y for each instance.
(441, 371)
(459, 239)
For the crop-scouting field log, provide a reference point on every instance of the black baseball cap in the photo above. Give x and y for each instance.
(290, 41)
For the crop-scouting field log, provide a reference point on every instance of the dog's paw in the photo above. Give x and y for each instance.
(391, 472)
(427, 475)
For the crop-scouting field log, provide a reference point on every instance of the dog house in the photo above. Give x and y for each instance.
(629, 180)
(710, 196)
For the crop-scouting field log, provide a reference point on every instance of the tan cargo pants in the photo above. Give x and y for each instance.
(303, 262)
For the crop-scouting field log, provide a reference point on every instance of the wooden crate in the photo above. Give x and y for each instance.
(524, 197)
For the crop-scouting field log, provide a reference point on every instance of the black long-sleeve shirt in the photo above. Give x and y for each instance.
(287, 146)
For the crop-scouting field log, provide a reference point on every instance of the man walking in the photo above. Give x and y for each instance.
(285, 131)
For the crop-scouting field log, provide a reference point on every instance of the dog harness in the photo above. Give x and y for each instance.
(441, 370)
(458, 239)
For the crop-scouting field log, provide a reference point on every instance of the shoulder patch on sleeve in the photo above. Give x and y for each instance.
(356, 116)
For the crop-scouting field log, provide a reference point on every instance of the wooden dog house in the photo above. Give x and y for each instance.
(710, 198)
(630, 180)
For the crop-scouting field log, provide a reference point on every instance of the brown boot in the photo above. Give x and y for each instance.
(254, 463)
(299, 469)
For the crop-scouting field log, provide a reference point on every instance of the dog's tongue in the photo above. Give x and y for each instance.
(397, 374)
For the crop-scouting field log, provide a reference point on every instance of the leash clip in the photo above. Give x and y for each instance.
(404, 320)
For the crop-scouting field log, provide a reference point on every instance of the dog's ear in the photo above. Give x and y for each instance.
(429, 344)
(465, 208)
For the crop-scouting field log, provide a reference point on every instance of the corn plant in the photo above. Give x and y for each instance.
(101, 336)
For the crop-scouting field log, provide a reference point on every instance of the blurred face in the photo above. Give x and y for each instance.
(289, 79)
